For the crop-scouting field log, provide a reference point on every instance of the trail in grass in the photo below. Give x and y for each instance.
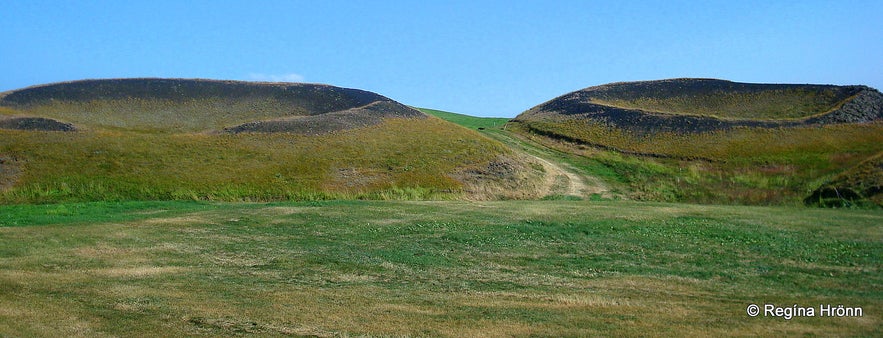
(562, 179)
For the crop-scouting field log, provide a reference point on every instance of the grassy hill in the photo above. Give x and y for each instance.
(860, 184)
(226, 140)
(714, 141)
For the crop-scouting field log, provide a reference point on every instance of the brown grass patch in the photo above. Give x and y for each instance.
(10, 171)
(178, 220)
(137, 272)
(506, 177)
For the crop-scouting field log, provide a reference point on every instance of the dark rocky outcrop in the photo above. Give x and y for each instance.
(313, 98)
(34, 124)
(195, 105)
(845, 104)
(368, 115)
(864, 107)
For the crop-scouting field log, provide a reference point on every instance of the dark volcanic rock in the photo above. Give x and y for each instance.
(202, 105)
(849, 104)
(866, 106)
(314, 98)
(35, 124)
(368, 115)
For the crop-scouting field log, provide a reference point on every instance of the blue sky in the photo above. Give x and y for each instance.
(484, 58)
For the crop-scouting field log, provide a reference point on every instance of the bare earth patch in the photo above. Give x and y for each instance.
(10, 170)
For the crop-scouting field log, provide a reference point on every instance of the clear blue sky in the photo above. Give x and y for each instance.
(484, 58)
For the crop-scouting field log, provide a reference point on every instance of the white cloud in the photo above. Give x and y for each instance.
(291, 77)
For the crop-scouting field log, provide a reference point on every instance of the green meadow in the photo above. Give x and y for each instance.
(444, 268)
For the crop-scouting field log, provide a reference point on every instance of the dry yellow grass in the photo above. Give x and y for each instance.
(401, 158)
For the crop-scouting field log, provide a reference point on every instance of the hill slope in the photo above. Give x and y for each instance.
(227, 140)
(703, 105)
(180, 105)
(704, 140)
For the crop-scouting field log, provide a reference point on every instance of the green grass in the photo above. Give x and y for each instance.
(467, 121)
(95, 212)
(543, 268)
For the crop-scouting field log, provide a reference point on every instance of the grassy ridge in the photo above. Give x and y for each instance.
(433, 269)
(381, 161)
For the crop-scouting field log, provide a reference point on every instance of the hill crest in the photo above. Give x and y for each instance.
(187, 105)
(701, 105)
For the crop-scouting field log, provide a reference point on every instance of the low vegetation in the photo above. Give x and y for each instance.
(374, 162)
(744, 166)
(861, 185)
(548, 268)
(160, 139)
(707, 160)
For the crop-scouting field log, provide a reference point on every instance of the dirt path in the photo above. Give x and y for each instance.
(558, 181)
(561, 179)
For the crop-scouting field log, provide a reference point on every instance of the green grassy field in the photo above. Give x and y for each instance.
(471, 122)
(548, 268)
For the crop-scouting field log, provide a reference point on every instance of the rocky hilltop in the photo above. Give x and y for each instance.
(702, 105)
(199, 105)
